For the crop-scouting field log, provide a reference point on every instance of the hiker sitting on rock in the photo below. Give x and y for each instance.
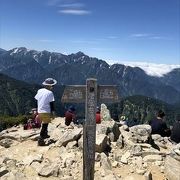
(70, 115)
(35, 118)
(159, 126)
(32, 120)
(45, 101)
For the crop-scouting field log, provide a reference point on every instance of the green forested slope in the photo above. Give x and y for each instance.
(16, 97)
(144, 109)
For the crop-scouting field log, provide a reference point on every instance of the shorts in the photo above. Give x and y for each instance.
(45, 117)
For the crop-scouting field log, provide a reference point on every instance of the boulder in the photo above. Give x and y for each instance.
(101, 142)
(49, 170)
(3, 171)
(175, 153)
(69, 135)
(6, 142)
(152, 158)
(107, 127)
(140, 133)
(105, 114)
(30, 159)
(20, 134)
(124, 158)
(172, 167)
(105, 162)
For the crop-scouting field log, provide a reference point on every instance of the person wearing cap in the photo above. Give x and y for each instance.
(70, 115)
(45, 105)
(175, 132)
(123, 120)
(159, 126)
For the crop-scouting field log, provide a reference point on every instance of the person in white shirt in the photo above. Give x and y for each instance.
(45, 106)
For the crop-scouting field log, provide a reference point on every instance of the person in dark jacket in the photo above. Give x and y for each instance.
(159, 126)
(175, 132)
(70, 115)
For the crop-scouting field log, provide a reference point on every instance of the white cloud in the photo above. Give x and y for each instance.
(160, 38)
(156, 37)
(152, 69)
(75, 11)
(148, 36)
(72, 5)
(139, 35)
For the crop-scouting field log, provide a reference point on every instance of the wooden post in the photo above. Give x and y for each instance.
(89, 130)
(90, 94)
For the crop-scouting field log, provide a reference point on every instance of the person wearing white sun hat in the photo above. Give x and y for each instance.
(45, 105)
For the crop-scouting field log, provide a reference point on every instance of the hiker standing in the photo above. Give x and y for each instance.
(45, 103)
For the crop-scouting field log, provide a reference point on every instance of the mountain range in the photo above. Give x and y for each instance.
(34, 66)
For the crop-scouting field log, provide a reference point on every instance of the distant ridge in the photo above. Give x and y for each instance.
(34, 66)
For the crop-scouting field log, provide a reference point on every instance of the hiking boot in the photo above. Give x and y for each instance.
(45, 136)
(41, 142)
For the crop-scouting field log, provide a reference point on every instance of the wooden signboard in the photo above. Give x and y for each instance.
(77, 94)
(90, 94)
(108, 93)
(74, 94)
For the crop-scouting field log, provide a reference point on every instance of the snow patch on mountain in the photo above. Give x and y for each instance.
(15, 50)
(50, 59)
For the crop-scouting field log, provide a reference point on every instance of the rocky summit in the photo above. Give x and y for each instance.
(122, 153)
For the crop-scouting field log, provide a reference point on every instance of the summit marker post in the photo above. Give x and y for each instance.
(89, 94)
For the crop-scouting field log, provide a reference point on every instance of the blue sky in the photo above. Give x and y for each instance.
(116, 30)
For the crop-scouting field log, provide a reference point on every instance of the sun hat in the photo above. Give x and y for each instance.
(49, 82)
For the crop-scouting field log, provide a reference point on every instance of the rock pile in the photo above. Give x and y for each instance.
(172, 163)
(105, 114)
(122, 153)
